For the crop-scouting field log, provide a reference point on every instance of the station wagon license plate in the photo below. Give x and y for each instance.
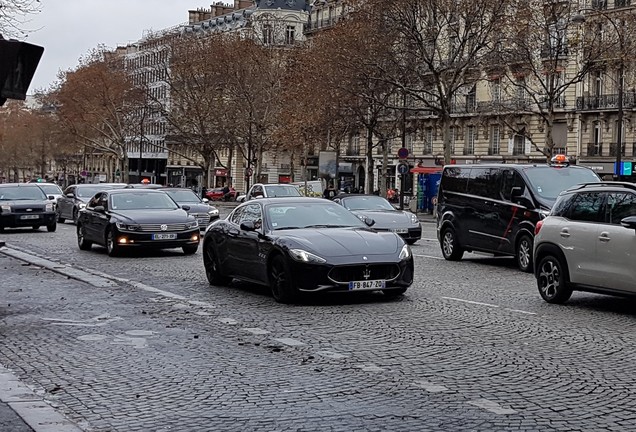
(30, 217)
(164, 236)
(400, 230)
(367, 284)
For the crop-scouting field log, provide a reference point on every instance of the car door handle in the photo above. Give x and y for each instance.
(604, 237)
(565, 233)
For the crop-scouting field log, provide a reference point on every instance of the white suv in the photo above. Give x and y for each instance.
(588, 242)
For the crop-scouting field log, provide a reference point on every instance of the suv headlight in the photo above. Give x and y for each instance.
(49, 207)
(81, 205)
(307, 257)
(192, 224)
(6, 208)
(213, 212)
(414, 219)
(405, 253)
(127, 227)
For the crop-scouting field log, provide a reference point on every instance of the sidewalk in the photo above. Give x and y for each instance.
(22, 408)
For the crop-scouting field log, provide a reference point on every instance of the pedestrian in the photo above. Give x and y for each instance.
(330, 192)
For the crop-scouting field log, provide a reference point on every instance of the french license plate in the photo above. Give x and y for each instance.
(368, 284)
(164, 236)
(30, 217)
(400, 230)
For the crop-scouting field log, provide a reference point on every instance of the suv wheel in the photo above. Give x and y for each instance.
(552, 280)
(451, 249)
(524, 253)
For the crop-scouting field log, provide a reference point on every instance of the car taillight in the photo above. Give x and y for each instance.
(537, 228)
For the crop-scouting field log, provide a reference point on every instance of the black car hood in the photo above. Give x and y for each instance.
(153, 216)
(197, 208)
(387, 218)
(26, 203)
(339, 242)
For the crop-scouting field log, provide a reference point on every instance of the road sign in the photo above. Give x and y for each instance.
(403, 168)
(403, 153)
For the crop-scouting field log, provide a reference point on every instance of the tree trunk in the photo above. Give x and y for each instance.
(446, 134)
(385, 162)
(230, 156)
(368, 187)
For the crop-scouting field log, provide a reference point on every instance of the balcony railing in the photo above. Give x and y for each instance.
(599, 4)
(613, 148)
(548, 52)
(559, 102)
(594, 149)
(622, 3)
(352, 152)
(605, 101)
(493, 150)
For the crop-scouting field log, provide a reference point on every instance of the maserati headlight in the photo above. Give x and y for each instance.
(6, 208)
(192, 224)
(414, 219)
(213, 212)
(405, 253)
(307, 257)
(81, 205)
(50, 207)
(127, 227)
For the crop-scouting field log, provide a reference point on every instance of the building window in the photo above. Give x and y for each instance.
(495, 144)
(495, 88)
(268, 34)
(290, 35)
(469, 145)
(519, 145)
(428, 141)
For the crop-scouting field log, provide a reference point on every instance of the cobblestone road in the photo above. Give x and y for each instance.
(148, 345)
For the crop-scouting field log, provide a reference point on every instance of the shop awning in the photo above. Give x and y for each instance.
(426, 170)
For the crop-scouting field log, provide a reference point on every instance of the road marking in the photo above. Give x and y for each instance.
(492, 406)
(229, 321)
(370, 367)
(429, 256)
(290, 342)
(256, 331)
(521, 311)
(471, 302)
(431, 387)
(331, 355)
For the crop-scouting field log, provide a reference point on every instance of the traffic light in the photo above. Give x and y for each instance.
(18, 62)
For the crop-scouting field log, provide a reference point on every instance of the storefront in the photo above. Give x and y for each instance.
(221, 177)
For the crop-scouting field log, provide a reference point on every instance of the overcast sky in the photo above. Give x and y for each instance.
(68, 29)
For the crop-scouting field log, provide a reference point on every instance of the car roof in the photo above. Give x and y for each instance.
(174, 189)
(133, 190)
(18, 184)
(515, 165)
(602, 185)
(346, 195)
(289, 200)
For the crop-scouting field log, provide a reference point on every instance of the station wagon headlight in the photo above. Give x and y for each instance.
(50, 207)
(414, 219)
(6, 208)
(307, 257)
(127, 227)
(213, 212)
(192, 224)
(405, 253)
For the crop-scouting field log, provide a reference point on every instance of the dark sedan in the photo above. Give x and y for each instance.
(125, 218)
(76, 196)
(26, 205)
(199, 208)
(305, 245)
(386, 217)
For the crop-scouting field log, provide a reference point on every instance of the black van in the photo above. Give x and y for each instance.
(494, 207)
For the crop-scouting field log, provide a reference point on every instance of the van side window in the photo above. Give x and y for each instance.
(455, 179)
(484, 182)
(510, 180)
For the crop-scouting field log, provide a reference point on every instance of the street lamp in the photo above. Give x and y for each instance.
(580, 19)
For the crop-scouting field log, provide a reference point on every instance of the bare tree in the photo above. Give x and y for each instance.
(441, 47)
(14, 16)
(542, 55)
(100, 106)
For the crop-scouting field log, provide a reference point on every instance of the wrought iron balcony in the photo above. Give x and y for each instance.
(493, 150)
(613, 148)
(559, 102)
(605, 101)
(594, 149)
(622, 3)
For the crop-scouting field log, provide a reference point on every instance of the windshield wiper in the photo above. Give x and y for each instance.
(327, 226)
(287, 228)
